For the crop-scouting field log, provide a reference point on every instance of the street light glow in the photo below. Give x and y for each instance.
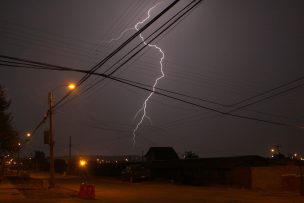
(28, 134)
(71, 86)
(82, 163)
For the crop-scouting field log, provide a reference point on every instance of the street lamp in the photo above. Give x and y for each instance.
(82, 163)
(20, 145)
(70, 86)
(83, 169)
(18, 158)
(28, 135)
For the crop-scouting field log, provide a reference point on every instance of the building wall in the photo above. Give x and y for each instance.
(270, 178)
(285, 178)
(241, 177)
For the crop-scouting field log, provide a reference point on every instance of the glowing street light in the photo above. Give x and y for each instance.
(28, 135)
(82, 163)
(72, 86)
(274, 151)
(83, 169)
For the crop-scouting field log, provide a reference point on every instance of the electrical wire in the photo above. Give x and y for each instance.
(193, 104)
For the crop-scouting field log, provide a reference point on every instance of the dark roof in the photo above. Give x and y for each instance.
(161, 153)
(227, 162)
(223, 163)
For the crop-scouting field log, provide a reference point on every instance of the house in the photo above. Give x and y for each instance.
(161, 154)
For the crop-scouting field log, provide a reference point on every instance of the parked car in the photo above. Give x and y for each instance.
(135, 172)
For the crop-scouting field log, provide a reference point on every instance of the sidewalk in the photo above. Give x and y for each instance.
(17, 189)
(9, 192)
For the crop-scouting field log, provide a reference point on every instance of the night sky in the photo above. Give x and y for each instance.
(223, 51)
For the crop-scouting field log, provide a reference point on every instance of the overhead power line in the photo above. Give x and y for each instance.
(184, 101)
(52, 67)
(266, 92)
(44, 66)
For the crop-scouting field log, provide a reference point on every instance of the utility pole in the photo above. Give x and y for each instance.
(18, 162)
(70, 156)
(301, 181)
(51, 143)
(50, 133)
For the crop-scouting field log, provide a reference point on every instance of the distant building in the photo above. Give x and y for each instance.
(161, 154)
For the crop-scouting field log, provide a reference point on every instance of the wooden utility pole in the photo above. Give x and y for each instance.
(51, 143)
(70, 156)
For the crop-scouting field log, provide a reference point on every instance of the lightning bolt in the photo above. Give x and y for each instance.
(121, 34)
(143, 109)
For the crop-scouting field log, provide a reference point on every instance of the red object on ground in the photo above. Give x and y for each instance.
(87, 191)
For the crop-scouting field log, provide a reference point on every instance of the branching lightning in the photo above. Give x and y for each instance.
(144, 106)
(121, 34)
(143, 109)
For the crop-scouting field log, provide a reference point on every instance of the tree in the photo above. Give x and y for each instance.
(190, 155)
(8, 136)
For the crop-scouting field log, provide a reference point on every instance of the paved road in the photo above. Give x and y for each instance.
(112, 191)
(164, 192)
